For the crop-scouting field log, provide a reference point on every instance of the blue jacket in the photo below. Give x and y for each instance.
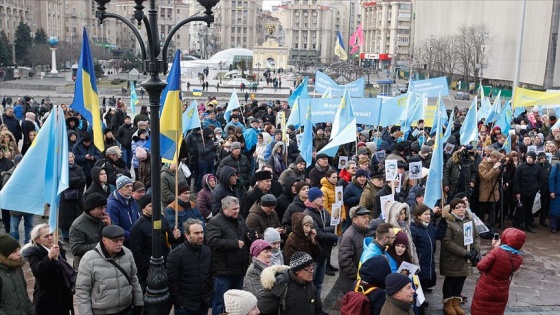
(425, 240)
(80, 151)
(352, 194)
(123, 212)
(554, 186)
(371, 249)
(138, 144)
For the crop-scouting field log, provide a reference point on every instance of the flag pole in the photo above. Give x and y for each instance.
(177, 182)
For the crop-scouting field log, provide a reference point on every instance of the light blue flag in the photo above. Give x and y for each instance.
(391, 111)
(484, 110)
(232, 104)
(306, 145)
(301, 91)
(133, 98)
(297, 113)
(495, 111)
(47, 158)
(507, 145)
(435, 175)
(520, 110)
(441, 116)
(469, 129)
(506, 116)
(449, 128)
(343, 127)
(191, 119)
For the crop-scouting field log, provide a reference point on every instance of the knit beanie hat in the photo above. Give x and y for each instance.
(307, 219)
(300, 185)
(268, 200)
(532, 154)
(395, 282)
(94, 200)
(374, 271)
(8, 245)
(123, 180)
(314, 193)
(239, 302)
(271, 235)
(300, 260)
(144, 201)
(400, 238)
(299, 159)
(258, 246)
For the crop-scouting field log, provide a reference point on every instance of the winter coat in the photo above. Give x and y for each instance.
(168, 185)
(497, 267)
(546, 169)
(298, 241)
(224, 189)
(284, 201)
(385, 191)
(51, 295)
(528, 179)
(145, 171)
(292, 171)
(317, 173)
(453, 260)
(137, 143)
(85, 233)
(124, 135)
(252, 280)
(328, 191)
(296, 206)
(191, 146)
(393, 306)
(102, 288)
(368, 197)
(349, 253)
(259, 221)
(117, 120)
(393, 209)
(140, 243)
(207, 150)
(222, 236)
(325, 232)
(123, 212)
(69, 209)
(452, 173)
(80, 151)
(241, 164)
(204, 198)
(300, 297)
(14, 299)
(424, 238)
(189, 276)
(95, 185)
(488, 175)
(13, 126)
(113, 169)
(276, 160)
(186, 212)
(252, 197)
(554, 187)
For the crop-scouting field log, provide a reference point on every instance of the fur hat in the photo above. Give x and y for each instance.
(123, 180)
(8, 245)
(239, 302)
(314, 193)
(300, 260)
(94, 200)
(263, 175)
(395, 282)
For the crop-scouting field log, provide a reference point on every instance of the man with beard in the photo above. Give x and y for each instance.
(13, 291)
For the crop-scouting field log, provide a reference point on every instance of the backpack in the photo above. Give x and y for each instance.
(356, 302)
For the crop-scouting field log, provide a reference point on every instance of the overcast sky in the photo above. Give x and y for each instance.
(267, 4)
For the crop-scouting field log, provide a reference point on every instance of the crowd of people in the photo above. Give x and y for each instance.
(252, 226)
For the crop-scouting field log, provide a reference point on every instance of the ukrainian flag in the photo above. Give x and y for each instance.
(86, 100)
(170, 113)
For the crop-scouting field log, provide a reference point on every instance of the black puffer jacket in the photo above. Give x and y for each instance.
(224, 189)
(222, 236)
(528, 179)
(296, 206)
(70, 209)
(284, 201)
(189, 276)
(241, 164)
(325, 232)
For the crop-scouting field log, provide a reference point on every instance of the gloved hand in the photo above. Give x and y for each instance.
(137, 310)
(469, 254)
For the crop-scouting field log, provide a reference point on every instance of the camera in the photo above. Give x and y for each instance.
(496, 236)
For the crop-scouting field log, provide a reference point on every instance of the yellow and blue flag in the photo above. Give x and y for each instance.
(133, 98)
(86, 100)
(191, 119)
(170, 113)
(339, 49)
(46, 158)
(435, 175)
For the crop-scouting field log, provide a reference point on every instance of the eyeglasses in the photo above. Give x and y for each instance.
(310, 269)
(117, 240)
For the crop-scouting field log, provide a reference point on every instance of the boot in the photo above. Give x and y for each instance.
(456, 302)
(448, 307)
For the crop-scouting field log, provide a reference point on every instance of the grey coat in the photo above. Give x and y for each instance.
(252, 282)
(103, 289)
(349, 253)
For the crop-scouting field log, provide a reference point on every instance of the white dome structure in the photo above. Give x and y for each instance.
(231, 56)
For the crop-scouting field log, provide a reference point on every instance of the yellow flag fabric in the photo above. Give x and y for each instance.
(529, 98)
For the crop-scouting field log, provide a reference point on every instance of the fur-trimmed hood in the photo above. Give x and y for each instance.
(268, 275)
(11, 264)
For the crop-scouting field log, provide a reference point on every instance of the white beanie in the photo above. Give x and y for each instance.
(271, 235)
(239, 302)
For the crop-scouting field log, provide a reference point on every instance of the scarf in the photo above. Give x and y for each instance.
(510, 249)
(277, 164)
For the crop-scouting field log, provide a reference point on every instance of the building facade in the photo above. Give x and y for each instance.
(387, 27)
(239, 23)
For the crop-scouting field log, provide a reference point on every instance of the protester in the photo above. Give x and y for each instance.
(13, 292)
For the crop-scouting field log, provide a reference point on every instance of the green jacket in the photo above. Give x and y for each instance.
(13, 289)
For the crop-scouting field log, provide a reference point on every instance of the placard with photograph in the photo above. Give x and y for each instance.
(338, 194)
(449, 148)
(415, 170)
(468, 233)
(384, 201)
(390, 170)
(380, 155)
(342, 161)
(335, 213)
(532, 148)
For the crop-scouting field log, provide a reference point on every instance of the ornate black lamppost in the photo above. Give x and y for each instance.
(157, 293)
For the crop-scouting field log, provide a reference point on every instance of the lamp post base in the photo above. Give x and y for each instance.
(156, 299)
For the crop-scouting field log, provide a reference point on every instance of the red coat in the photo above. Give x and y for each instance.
(492, 289)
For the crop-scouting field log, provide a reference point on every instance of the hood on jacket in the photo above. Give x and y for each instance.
(95, 173)
(446, 213)
(225, 173)
(278, 144)
(207, 133)
(297, 225)
(72, 132)
(288, 182)
(136, 137)
(205, 179)
(513, 237)
(393, 209)
(345, 175)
